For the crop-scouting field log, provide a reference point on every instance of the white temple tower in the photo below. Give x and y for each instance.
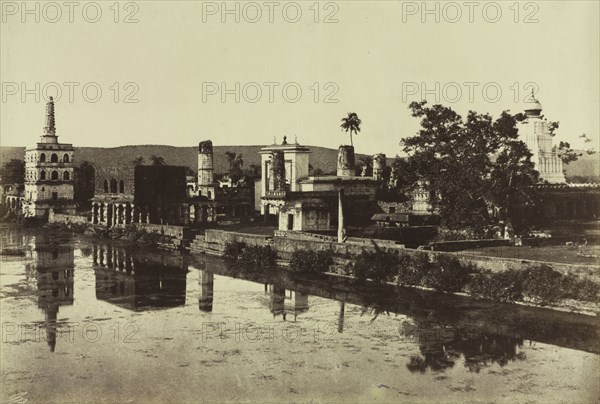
(536, 135)
(49, 173)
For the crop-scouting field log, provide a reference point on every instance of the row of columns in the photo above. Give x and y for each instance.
(113, 258)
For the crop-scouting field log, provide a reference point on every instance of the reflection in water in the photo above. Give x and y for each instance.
(51, 270)
(445, 327)
(137, 282)
(207, 285)
(446, 330)
(283, 302)
(442, 345)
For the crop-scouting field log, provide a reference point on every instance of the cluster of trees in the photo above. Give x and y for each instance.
(478, 170)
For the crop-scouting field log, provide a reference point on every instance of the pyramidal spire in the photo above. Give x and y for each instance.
(50, 129)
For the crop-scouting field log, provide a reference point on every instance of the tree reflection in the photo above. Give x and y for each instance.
(441, 346)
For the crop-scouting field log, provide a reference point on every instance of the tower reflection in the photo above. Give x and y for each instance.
(50, 268)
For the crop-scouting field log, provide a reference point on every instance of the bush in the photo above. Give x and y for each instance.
(310, 261)
(582, 289)
(542, 284)
(412, 270)
(448, 274)
(258, 255)
(380, 266)
(505, 286)
(539, 284)
(233, 249)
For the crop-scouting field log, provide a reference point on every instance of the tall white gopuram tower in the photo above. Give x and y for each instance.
(536, 135)
(48, 173)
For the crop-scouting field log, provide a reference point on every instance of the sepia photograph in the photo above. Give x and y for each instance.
(310, 201)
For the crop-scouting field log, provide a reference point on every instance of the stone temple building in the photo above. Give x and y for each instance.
(139, 194)
(48, 173)
(559, 200)
(302, 202)
(536, 135)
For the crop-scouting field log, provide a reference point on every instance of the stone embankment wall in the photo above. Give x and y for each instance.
(67, 219)
(285, 243)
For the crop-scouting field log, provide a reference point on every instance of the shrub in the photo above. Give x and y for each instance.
(258, 255)
(583, 289)
(380, 266)
(411, 270)
(233, 249)
(505, 286)
(448, 274)
(542, 284)
(310, 261)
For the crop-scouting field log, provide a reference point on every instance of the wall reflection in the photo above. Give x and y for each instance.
(138, 281)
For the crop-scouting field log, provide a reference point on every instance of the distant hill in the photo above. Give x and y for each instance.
(321, 157)
(587, 167)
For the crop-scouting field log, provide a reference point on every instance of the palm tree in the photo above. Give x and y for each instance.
(351, 123)
(158, 160)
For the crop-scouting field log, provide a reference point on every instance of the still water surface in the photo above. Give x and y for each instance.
(101, 321)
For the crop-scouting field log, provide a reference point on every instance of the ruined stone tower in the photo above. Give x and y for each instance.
(345, 165)
(206, 169)
(379, 164)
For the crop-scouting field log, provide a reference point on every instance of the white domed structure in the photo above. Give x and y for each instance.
(536, 135)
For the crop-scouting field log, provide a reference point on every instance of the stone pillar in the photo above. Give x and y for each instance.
(345, 166)
(205, 163)
(379, 164)
(341, 230)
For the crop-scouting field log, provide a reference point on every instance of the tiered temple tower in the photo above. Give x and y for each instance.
(536, 135)
(49, 173)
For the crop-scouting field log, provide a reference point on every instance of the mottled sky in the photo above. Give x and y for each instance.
(185, 63)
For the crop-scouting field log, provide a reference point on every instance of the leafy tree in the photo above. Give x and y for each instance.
(351, 123)
(13, 172)
(236, 163)
(138, 161)
(568, 155)
(157, 160)
(364, 163)
(253, 172)
(478, 169)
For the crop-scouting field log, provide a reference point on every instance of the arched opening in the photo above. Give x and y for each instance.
(42, 175)
(54, 158)
(113, 186)
(121, 186)
(66, 176)
(43, 157)
(54, 176)
(66, 158)
(208, 195)
(106, 186)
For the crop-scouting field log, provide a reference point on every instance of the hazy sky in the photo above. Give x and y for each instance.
(374, 60)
